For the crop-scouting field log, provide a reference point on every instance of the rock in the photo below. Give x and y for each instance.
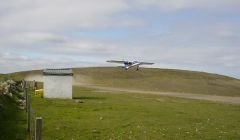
(10, 94)
(21, 93)
(12, 89)
(21, 107)
(79, 101)
(4, 84)
(20, 101)
(11, 82)
(5, 88)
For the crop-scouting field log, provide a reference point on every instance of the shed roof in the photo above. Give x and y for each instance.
(60, 72)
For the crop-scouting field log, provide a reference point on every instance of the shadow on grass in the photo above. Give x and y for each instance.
(12, 120)
(89, 98)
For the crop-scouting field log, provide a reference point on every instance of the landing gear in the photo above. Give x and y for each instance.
(137, 68)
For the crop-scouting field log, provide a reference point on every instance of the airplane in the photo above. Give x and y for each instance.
(129, 64)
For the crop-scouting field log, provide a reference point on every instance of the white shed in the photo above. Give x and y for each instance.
(57, 83)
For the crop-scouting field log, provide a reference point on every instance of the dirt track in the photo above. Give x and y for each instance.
(214, 98)
(84, 83)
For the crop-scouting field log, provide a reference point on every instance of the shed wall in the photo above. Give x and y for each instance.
(57, 86)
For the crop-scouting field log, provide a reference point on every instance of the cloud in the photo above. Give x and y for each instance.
(45, 15)
(176, 5)
(173, 34)
(14, 62)
(56, 14)
(77, 53)
(26, 38)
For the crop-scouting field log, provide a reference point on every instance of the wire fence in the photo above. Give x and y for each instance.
(33, 122)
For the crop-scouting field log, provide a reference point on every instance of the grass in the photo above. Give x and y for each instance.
(22, 75)
(160, 80)
(12, 120)
(2, 77)
(19, 75)
(99, 115)
(151, 79)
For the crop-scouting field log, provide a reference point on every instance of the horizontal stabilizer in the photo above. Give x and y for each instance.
(146, 63)
(115, 61)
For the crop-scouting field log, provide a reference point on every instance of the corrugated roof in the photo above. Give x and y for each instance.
(60, 72)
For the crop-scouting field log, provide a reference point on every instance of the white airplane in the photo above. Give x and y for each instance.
(129, 64)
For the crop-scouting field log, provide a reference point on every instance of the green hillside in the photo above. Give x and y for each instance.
(95, 114)
(2, 77)
(23, 74)
(153, 79)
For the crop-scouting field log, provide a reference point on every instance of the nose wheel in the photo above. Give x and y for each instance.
(137, 68)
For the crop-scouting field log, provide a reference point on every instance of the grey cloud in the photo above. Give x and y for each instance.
(14, 62)
(50, 15)
(41, 28)
(25, 38)
(45, 15)
(211, 59)
(175, 5)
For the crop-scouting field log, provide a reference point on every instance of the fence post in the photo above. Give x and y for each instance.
(26, 98)
(38, 128)
(23, 84)
(28, 112)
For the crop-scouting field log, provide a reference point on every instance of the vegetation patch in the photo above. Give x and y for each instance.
(166, 80)
(102, 115)
(12, 120)
(150, 79)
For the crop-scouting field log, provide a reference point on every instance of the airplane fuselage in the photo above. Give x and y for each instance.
(129, 64)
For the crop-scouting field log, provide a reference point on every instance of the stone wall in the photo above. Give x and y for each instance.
(14, 90)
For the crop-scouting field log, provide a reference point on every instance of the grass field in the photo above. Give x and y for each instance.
(22, 75)
(151, 79)
(99, 115)
(160, 80)
(1, 77)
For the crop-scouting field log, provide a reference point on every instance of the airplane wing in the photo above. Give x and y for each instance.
(136, 64)
(146, 63)
(116, 61)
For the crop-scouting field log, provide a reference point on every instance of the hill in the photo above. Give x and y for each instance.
(153, 79)
(149, 79)
(95, 114)
(1, 77)
(20, 75)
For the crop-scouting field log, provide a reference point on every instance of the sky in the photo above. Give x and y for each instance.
(199, 35)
